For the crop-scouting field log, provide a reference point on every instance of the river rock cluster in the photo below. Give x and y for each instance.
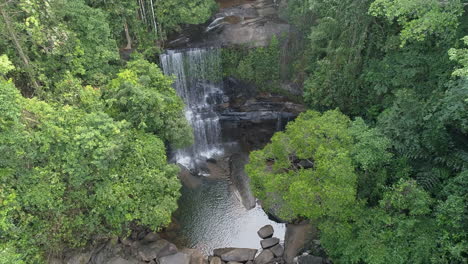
(150, 248)
(272, 251)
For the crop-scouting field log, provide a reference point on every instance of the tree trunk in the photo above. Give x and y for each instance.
(127, 35)
(19, 49)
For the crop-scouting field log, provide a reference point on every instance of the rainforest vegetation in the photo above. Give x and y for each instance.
(379, 162)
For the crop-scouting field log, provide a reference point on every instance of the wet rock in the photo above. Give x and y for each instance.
(235, 254)
(266, 231)
(264, 257)
(155, 250)
(308, 259)
(216, 260)
(269, 242)
(240, 179)
(277, 250)
(188, 179)
(178, 258)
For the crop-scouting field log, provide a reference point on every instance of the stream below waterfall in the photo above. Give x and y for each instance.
(217, 208)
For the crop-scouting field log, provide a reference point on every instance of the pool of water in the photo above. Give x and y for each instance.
(213, 216)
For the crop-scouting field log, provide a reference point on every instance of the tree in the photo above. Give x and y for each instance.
(142, 95)
(5, 65)
(311, 170)
(421, 18)
(399, 230)
(66, 167)
(59, 38)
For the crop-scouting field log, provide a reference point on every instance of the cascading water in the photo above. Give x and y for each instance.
(198, 80)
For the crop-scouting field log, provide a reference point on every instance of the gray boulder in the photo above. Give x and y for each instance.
(308, 259)
(216, 260)
(265, 232)
(269, 242)
(235, 254)
(196, 256)
(158, 249)
(179, 258)
(119, 260)
(80, 258)
(150, 237)
(277, 250)
(264, 257)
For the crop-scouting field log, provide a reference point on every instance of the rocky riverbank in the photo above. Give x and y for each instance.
(150, 248)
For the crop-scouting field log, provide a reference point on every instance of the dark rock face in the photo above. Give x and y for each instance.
(265, 232)
(252, 23)
(264, 257)
(235, 254)
(269, 242)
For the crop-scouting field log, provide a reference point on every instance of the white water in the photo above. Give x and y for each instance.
(198, 80)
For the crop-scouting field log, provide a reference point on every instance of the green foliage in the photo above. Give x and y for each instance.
(143, 96)
(5, 65)
(259, 66)
(172, 13)
(339, 151)
(420, 18)
(399, 230)
(68, 167)
(451, 216)
(279, 179)
(335, 56)
(460, 56)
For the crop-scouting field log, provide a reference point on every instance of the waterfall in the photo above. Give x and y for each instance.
(198, 81)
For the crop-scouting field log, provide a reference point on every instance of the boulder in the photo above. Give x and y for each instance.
(235, 254)
(265, 232)
(169, 250)
(126, 241)
(216, 260)
(119, 260)
(297, 236)
(269, 242)
(264, 257)
(153, 250)
(80, 258)
(178, 258)
(308, 259)
(277, 250)
(196, 256)
(150, 237)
